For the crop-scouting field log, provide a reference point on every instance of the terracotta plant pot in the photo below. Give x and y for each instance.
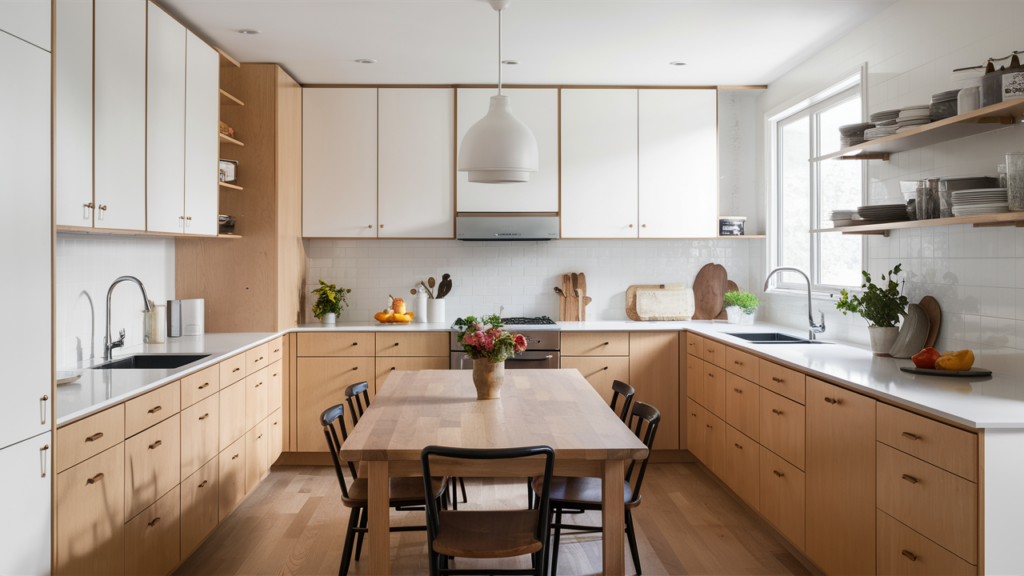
(488, 377)
(882, 339)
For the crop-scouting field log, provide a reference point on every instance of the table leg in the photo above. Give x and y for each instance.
(379, 510)
(613, 519)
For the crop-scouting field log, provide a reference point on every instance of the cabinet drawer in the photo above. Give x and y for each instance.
(902, 552)
(335, 343)
(275, 427)
(256, 454)
(714, 352)
(412, 344)
(740, 469)
(714, 389)
(941, 506)
(741, 363)
(694, 345)
(320, 384)
(152, 539)
(88, 437)
(276, 349)
(152, 465)
(90, 516)
(275, 394)
(232, 370)
(694, 379)
(151, 408)
(257, 358)
(385, 366)
(934, 442)
(256, 397)
(232, 413)
(782, 427)
(231, 477)
(199, 508)
(742, 398)
(783, 381)
(595, 344)
(600, 371)
(782, 496)
(200, 435)
(199, 386)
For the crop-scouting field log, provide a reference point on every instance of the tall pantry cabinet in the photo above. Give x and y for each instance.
(26, 244)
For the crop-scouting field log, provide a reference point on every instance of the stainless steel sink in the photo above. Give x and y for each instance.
(773, 338)
(151, 361)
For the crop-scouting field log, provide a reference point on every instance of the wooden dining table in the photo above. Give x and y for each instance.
(556, 408)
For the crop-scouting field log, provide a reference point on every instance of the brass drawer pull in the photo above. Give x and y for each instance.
(737, 362)
(831, 401)
(95, 479)
(274, 375)
(258, 359)
(355, 368)
(236, 370)
(204, 416)
(154, 522)
(910, 478)
(203, 485)
(156, 444)
(777, 473)
(260, 436)
(777, 379)
(355, 343)
(396, 343)
(276, 350)
(392, 367)
(605, 368)
(42, 459)
(737, 390)
(42, 408)
(258, 385)
(94, 437)
(911, 436)
(710, 375)
(778, 412)
(605, 344)
(235, 456)
(204, 385)
(155, 409)
(738, 446)
(693, 414)
(910, 555)
(708, 425)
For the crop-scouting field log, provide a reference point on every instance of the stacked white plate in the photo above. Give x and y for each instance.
(884, 116)
(842, 218)
(913, 116)
(980, 201)
(883, 213)
(881, 131)
(853, 134)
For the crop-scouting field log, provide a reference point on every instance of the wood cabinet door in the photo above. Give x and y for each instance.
(152, 465)
(840, 479)
(199, 385)
(654, 373)
(741, 466)
(256, 397)
(599, 163)
(275, 393)
(783, 496)
(339, 136)
(416, 163)
(231, 477)
(232, 413)
(696, 439)
(275, 426)
(73, 111)
(742, 399)
(412, 344)
(26, 505)
(715, 389)
(199, 506)
(165, 123)
(120, 114)
(256, 454)
(202, 143)
(783, 427)
(320, 384)
(538, 109)
(90, 516)
(601, 372)
(200, 434)
(715, 439)
(152, 540)
(695, 379)
(595, 344)
(385, 366)
(678, 163)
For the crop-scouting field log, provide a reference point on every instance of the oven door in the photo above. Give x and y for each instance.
(536, 359)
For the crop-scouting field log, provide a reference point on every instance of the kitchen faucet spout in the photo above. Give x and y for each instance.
(814, 327)
(108, 343)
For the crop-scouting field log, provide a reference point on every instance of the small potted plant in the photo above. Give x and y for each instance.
(740, 307)
(881, 308)
(489, 346)
(330, 302)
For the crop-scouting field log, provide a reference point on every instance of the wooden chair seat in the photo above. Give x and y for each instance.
(583, 491)
(487, 533)
(401, 491)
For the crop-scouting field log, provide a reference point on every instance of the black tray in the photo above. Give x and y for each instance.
(972, 373)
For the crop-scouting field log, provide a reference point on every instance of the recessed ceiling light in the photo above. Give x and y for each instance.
(677, 63)
(510, 62)
(366, 61)
(249, 31)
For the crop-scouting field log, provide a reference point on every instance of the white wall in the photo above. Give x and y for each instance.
(977, 274)
(520, 276)
(86, 264)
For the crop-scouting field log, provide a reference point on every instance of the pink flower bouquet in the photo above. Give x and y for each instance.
(484, 338)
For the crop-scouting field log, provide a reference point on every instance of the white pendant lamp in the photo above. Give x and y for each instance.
(499, 148)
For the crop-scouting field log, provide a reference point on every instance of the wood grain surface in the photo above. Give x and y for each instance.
(708, 289)
(631, 311)
(931, 309)
(730, 286)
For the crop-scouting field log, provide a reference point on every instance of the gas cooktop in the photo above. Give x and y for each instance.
(522, 321)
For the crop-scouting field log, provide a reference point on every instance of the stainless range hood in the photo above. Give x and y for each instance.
(505, 226)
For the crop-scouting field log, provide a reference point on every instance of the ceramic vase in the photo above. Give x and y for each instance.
(487, 378)
(328, 319)
(735, 315)
(882, 339)
(435, 310)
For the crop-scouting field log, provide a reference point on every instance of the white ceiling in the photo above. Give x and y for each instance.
(615, 42)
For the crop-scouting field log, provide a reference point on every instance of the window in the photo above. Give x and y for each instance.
(805, 194)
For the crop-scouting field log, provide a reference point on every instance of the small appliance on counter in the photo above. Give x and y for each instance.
(186, 317)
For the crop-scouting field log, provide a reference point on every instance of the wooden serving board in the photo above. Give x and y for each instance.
(709, 287)
(934, 313)
(731, 287)
(683, 313)
(972, 373)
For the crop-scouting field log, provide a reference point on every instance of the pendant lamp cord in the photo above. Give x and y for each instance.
(499, 52)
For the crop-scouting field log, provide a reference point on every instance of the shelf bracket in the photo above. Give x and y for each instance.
(868, 233)
(996, 120)
(884, 156)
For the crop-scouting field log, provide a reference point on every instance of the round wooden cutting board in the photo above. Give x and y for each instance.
(709, 287)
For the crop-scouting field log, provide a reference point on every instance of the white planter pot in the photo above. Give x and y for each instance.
(735, 315)
(882, 339)
(435, 310)
(328, 319)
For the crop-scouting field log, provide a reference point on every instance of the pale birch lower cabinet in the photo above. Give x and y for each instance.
(141, 484)
(857, 485)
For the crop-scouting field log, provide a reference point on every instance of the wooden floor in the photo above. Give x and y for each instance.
(294, 523)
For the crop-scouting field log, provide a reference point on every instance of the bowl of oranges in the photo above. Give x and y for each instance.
(395, 313)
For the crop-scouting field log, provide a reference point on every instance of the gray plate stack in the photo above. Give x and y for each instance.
(943, 105)
(853, 134)
(885, 124)
(913, 116)
(881, 213)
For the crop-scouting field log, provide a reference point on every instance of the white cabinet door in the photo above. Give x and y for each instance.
(339, 162)
(599, 163)
(165, 123)
(416, 163)
(72, 135)
(538, 109)
(28, 20)
(120, 114)
(202, 145)
(25, 501)
(678, 163)
(25, 242)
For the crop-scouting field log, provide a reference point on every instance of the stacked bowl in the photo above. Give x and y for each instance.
(885, 124)
(842, 218)
(881, 213)
(853, 134)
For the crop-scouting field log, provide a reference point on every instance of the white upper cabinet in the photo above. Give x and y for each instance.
(416, 163)
(120, 108)
(678, 163)
(538, 109)
(165, 130)
(339, 162)
(599, 163)
(72, 136)
(25, 500)
(202, 145)
(29, 20)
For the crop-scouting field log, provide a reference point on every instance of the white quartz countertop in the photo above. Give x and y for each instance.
(996, 402)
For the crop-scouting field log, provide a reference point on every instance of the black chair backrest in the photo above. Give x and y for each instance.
(327, 420)
(620, 388)
(433, 518)
(649, 414)
(354, 391)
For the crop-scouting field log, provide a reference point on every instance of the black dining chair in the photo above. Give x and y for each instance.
(406, 494)
(489, 534)
(578, 495)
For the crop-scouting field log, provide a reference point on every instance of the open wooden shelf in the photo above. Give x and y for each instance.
(111, 231)
(229, 100)
(987, 119)
(229, 140)
(741, 237)
(227, 61)
(979, 221)
(232, 186)
(232, 236)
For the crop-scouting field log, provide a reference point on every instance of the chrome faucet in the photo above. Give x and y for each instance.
(108, 343)
(814, 327)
